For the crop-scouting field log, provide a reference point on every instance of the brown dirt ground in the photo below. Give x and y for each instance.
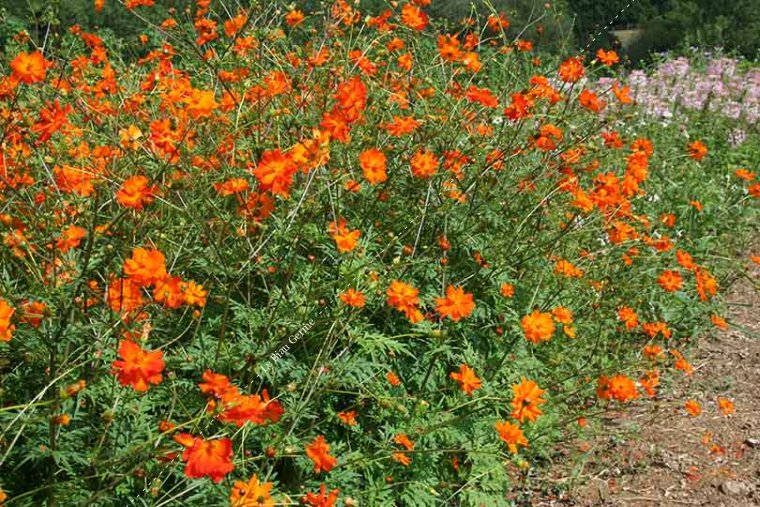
(656, 455)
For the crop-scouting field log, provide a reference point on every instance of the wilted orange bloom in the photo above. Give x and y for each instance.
(670, 281)
(146, 267)
(512, 435)
(456, 305)
(29, 68)
(619, 387)
(137, 367)
(424, 163)
(527, 400)
(317, 451)
(693, 407)
(252, 493)
(393, 379)
(348, 417)
(275, 171)
(345, 239)
(136, 192)
(608, 58)
(538, 326)
(466, 379)
(206, 458)
(6, 328)
(571, 70)
(697, 150)
(322, 499)
(404, 298)
(374, 165)
(726, 406)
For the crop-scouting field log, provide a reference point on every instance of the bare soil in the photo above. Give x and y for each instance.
(656, 455)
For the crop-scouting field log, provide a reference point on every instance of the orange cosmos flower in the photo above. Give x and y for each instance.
(206, 458)
(317, 451)
(194, 294)
(413, 17)
(482, 96)
(404, 298)
(323, 499)
(726, 406)
(608, 58)
(136, 192)
(401, 458)
(137, 367)
(124, 295)
(707, 285)
(693, 407)
(403, 440)
(374, 165)
(571, 70)
(393, 379)
(348, 417)
(538, 326)
(670, 281)
(527, 400)
(456, 305)
(629, 317)
(652, 352)
(6, 328)
(563, 315)
(466, 379)
(619, 387)
(252, 494)
(70, 238)
(697, 150)
(345, 239)
(424, 164)
(719, 322)
(32, 314)
(294, 18)
(275, 171)
(507, 290)
(589, 100)
(567, 269)
(512, 435)
(146, 266)
(29, 68)
(352, 297)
